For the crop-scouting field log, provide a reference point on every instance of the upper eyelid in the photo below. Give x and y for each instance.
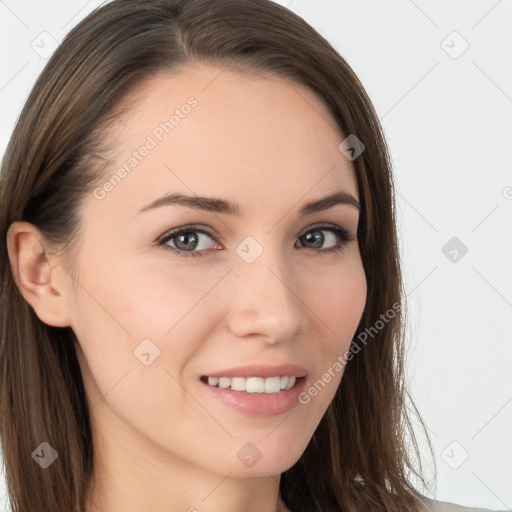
(176, 231)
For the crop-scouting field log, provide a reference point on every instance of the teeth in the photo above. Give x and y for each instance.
(238, 384)
(253, 384)
(213, 381)
(270, 385)
(224, 382)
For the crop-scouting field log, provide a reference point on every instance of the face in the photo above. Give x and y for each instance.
(157, 312)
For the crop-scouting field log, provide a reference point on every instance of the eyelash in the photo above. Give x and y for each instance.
(341, 233)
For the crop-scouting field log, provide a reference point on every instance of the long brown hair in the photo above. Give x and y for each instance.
(359, 457)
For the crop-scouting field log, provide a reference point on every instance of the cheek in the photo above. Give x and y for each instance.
(135, 334)
(135, 296)
(338, 310)
(131, 313)
(339, 304)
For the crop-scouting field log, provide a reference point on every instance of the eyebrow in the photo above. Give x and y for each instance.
(212, 204)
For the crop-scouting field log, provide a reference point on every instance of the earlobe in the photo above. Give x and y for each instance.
(38, 274)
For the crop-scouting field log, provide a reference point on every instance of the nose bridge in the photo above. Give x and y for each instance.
(265, 301)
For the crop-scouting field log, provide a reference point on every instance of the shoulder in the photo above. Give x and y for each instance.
(432, 505)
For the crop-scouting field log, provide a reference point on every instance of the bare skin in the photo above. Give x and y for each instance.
(162, 442)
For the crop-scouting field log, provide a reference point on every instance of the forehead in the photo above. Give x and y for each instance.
(209, 130)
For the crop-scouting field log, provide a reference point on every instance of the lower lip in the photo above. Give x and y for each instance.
(260, 404)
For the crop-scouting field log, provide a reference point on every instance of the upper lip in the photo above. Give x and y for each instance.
(256, 370)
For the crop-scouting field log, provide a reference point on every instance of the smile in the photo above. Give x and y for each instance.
(252, 384)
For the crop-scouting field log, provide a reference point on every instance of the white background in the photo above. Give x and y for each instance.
(448, 121)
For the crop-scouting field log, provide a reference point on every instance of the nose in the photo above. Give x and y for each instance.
(265, 298)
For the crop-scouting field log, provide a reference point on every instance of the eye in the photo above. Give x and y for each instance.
(340, 236)
(185, 241)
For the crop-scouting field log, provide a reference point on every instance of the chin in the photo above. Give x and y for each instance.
(262, 470)
(258, 458)
(272, 462)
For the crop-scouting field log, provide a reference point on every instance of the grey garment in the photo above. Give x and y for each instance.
(432, 505)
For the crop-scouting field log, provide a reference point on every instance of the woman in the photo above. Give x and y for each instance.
(170, 340)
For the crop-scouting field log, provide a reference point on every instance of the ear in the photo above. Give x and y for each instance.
(38, 274)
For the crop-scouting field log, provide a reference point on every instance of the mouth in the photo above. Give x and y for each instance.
(268, 385)
(256, 396)
(257, 390)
